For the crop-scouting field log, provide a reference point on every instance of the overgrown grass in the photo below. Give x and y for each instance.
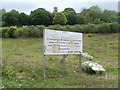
(22, 60)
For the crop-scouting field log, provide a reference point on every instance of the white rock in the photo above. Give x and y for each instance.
(93, 65)
(87, 56)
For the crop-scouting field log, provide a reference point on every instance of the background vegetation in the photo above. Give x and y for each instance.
(40, 16)
(37, 31)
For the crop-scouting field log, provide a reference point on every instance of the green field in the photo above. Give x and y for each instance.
(22, 60)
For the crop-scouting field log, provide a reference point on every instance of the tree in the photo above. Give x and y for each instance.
(69, 9)
(11, 18)
(59, 18)
(2, 12)
(23, 19)
(80, 19)
(92, 15)
(70, 15)
(86, 16)
(41, 17)
(109, 16)
(95, 12)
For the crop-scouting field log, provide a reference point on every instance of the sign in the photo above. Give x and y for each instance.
(62, 42)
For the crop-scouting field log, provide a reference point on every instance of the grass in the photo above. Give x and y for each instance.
(22, 60)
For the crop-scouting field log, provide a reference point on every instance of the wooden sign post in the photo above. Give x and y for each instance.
(63, 64)
(80, 61)
(44, 66)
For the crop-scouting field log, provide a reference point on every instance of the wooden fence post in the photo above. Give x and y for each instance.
(80, 60)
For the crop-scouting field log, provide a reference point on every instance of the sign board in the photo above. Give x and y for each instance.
(62, 42)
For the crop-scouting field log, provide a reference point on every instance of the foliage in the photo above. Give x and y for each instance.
(24, 19)
(89, 28)
(24, 31)
(80, 19)
(70, 15)
(13, 33)
(33, 31)
(95, 12)
(5, 32)
(109, 16)
(2, 12)
(41, 17)
(69, 9)
(11, 18)
(37, 31)
(59, 18)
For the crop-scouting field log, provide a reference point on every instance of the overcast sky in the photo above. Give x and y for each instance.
(29, 5)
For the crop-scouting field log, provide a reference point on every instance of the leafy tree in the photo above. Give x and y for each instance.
(59, 18)
(70, 15)
(69, 9)
(85, 14)
(2, 12)
(23, 19)
(95, 12)
(41, 17)
(80, 19)
(11, 18)
(109, 16)
(92, 15)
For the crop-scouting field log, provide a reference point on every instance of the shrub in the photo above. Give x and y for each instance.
(113, 27)
(104, 28)
(5, 32)
(37, 31)
(13, 33)
(55, 27)
(33, 31)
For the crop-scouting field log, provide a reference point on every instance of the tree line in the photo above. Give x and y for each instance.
(68, 16)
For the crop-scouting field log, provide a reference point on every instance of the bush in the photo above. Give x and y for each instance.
(55, 27)
(4, 32)
(113, 27)
(89, 28)
(33, 31)
(37, 31)
(13, 33)
(104, 28)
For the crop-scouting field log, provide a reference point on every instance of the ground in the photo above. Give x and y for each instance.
(22, 64)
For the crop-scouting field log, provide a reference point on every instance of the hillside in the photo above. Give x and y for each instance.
(22, 59)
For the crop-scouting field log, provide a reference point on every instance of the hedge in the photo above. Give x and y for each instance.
(37, 31)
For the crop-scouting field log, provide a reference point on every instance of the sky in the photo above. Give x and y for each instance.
(27, 6)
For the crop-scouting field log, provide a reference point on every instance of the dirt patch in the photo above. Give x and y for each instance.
(99, 50)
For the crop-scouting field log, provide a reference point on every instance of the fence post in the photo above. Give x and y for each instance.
(44, 65)
(80, 60)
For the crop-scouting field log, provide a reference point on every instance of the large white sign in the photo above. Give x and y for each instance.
(62, 42)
